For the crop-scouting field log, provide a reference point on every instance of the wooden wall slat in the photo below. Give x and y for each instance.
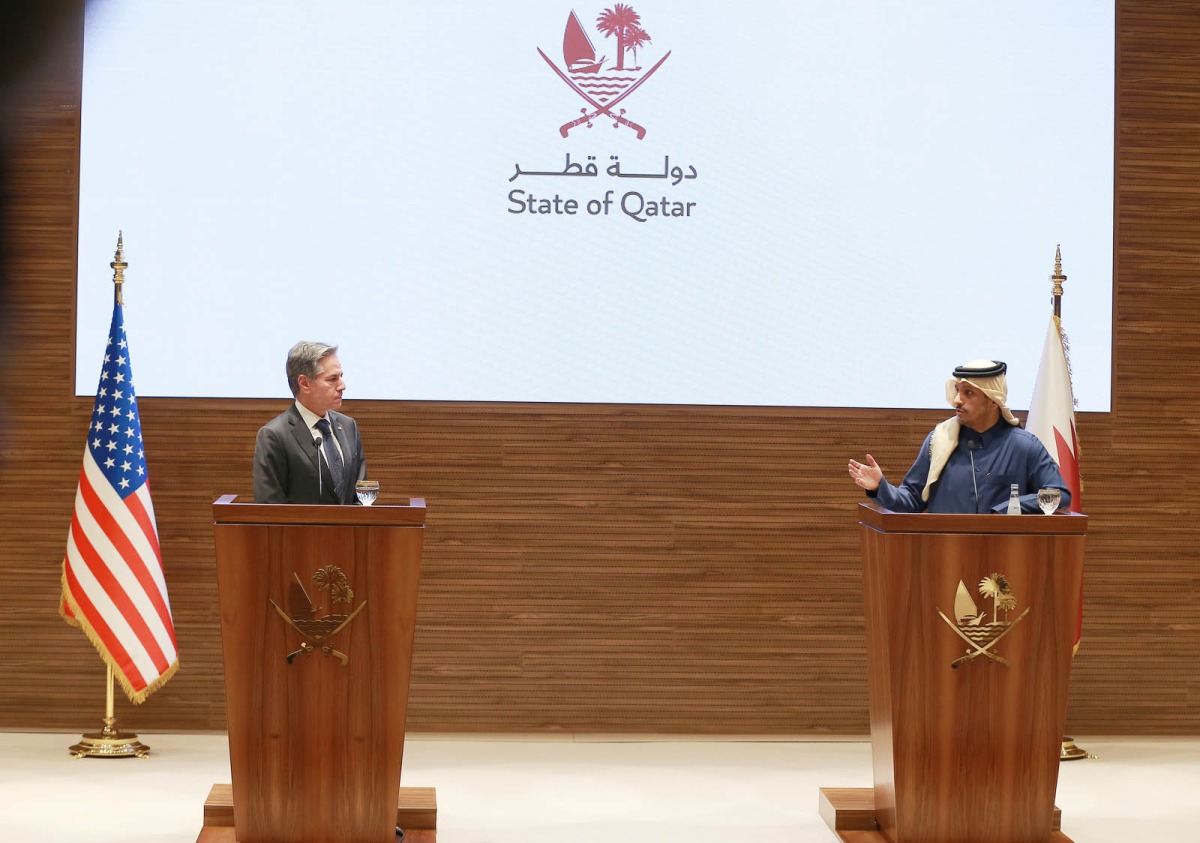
(627, 568)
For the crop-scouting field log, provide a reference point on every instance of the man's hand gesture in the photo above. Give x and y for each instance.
(867, 475)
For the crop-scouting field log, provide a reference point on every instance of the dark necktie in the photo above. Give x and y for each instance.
(331, 455)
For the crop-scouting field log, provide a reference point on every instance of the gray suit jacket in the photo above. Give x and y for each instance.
(287, 468)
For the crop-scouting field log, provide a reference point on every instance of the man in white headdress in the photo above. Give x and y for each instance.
(970, 461)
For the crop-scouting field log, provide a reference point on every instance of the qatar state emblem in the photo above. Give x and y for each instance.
(304, 617)
(972, 626)
(603, 86)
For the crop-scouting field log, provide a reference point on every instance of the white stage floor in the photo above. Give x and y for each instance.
(582, 789)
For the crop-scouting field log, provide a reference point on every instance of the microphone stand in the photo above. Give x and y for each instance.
(318, 440)
(971, 445)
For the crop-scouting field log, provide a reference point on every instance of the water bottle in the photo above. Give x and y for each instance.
(1014, 500)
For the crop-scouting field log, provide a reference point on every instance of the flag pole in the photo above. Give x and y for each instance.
(111, 742)
(119, 266)
(1056, 292)
(1070, 752)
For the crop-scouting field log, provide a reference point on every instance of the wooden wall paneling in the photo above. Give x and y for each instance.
(628, 569)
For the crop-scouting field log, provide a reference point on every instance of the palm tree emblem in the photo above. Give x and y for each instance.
(635, 41)
(331, 578)
(996, 587)
(623, 23)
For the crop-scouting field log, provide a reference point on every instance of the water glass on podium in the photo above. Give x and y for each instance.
(1048, 500)
(367, 491)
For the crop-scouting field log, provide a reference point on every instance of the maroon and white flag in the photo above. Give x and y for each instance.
(112, 582)
(1052, 411)
(1052, 419)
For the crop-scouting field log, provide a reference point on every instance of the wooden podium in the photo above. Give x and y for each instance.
(318, 606)
(970, 625)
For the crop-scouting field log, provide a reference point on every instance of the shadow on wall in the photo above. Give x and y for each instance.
(26, 30)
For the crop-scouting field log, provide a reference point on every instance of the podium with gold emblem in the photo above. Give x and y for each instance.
(318, 608)
(970, 624)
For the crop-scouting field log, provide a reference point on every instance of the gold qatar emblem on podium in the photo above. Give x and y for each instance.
(302, 614)
(971, 627)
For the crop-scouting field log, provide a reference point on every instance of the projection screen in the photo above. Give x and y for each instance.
(784, 202)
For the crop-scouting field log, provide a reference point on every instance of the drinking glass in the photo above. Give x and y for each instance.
(367, 491)
(1048, 500)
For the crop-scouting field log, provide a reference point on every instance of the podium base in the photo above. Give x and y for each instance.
(416, 813)
(850, 814)
(225, 834)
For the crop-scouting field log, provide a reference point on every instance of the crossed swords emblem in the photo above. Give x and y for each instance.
(313, 628)
(327, 649)
(619, 118)
(985, 650)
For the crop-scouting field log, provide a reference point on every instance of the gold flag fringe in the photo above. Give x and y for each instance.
(135, 697)
(1066, 344)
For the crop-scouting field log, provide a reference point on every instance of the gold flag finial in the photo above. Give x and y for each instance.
(1057, 278)
(118, 264)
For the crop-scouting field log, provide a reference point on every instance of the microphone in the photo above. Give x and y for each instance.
(971, 446)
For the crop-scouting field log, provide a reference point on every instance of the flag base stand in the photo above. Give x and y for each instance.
(1070, 752)
(110, 742)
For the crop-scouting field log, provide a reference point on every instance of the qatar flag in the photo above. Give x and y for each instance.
(1052, 411)
(1052, 419)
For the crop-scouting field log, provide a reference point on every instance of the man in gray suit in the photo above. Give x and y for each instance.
(310, 454)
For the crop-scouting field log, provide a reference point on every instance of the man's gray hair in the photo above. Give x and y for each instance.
(305, 359)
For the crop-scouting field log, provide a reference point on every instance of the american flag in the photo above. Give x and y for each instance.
(113, 585)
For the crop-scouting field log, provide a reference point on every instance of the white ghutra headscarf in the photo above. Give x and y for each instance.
(988, 376)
